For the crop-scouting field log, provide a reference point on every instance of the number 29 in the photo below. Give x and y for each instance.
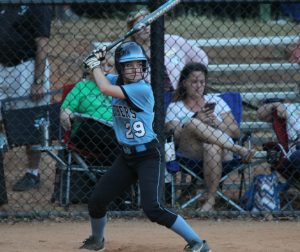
(136, 130)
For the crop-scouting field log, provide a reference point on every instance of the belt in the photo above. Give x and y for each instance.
(129, 150)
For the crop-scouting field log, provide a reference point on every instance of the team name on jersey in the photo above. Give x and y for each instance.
(124, 112)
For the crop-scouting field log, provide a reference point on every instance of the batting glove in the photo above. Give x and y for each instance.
(100, 53)
(95, 58)
(91, 61)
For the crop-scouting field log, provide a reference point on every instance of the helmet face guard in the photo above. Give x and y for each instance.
(131, 51)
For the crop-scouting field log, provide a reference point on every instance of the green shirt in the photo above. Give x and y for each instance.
(86, 98)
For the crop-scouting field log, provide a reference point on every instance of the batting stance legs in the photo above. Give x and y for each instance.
(127, 169)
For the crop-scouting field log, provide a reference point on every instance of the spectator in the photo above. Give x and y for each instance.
(86, 98)
(291, 113)
(24, 70)
(203, 133)
(178, 51)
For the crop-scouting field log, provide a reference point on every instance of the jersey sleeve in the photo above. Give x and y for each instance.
(112, 78)
(139, 95)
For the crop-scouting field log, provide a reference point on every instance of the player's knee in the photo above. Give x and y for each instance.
(154, 213)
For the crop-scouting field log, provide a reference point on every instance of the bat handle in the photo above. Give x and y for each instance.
(108, 48)
(113, 44)
(118, 41)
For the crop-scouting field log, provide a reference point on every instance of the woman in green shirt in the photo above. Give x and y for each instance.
(87, 131)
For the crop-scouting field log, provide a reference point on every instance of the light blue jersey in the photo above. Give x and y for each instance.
(133, 117)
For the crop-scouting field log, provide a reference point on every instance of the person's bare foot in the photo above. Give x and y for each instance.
(249, 155)
(246, 154)
(207, 206)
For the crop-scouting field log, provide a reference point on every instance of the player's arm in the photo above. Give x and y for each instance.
(93, 62)
(105, 85)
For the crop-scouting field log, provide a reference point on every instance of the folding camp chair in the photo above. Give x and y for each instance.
(193, 167)
(277, 157)
(21, 121)
(22, 125)
(77, 169)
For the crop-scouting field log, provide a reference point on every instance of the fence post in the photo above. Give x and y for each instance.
(157, 70)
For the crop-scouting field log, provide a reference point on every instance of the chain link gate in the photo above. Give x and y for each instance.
(251, 52)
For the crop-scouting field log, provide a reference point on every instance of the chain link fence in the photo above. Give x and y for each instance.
(226, 149)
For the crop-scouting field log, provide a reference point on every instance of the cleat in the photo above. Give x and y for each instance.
(93, 244)
(197, 247)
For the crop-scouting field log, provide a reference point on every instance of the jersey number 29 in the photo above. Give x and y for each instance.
(136, 130)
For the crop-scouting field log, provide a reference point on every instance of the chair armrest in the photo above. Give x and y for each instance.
(83, 117)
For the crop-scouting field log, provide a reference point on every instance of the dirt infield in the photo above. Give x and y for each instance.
(139, 235)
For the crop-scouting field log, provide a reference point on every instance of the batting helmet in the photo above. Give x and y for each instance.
(130, 51)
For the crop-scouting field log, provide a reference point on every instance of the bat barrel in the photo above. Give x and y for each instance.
(145, 22)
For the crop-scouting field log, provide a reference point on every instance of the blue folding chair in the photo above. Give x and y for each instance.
(194, 167)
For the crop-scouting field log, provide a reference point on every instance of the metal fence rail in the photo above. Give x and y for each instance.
(253, 67)
(243, 41)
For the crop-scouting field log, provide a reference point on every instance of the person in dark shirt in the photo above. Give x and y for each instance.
(24, 69)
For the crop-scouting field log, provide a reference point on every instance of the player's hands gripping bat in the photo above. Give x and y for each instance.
(94, 59)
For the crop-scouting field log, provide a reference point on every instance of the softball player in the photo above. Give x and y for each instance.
(141, 158)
